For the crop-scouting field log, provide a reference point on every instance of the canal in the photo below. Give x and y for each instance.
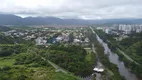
(114, 58)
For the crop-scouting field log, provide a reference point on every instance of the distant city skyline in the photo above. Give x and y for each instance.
(73, 9)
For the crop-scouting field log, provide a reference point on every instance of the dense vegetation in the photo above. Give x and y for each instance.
(23, 63)
(5, 39)
(72, 58)
(132, 39)
(9, 40)
(30, 58)
(8, 49)
(33, 73)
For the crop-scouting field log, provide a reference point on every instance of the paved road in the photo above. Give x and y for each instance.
(92, 30)
(55, 66)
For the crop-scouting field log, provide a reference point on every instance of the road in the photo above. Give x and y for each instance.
(92, 30)
(51, 63)
(94, 51)
(55, 66)
(128, 57)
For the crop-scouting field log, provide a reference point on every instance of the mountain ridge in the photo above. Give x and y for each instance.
(9, 19)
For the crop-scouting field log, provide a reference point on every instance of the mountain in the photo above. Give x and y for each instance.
(8, 19)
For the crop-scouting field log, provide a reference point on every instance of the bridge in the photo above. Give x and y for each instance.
(99, 67)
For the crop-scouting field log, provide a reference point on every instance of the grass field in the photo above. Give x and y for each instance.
(6, 61)
(89, 55)
(33, 73)
(62, 76)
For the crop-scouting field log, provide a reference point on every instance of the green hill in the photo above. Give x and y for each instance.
(135, 51)
(6, 39)
(4, 28)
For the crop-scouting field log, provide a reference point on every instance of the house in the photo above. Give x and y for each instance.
(40, 41)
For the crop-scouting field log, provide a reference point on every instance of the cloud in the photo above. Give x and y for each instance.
(84, 9)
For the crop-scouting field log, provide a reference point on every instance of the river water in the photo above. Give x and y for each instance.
(115, 60)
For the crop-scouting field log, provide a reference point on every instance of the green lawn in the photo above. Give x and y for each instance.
(6, 61)
(90, 56)
(62, 76)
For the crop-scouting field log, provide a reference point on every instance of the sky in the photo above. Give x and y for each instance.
(73, 9)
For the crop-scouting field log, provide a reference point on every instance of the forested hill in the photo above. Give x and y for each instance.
(9, 40)
(6, 39)
(4, 28)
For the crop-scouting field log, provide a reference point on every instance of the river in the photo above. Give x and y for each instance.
(115, 60)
